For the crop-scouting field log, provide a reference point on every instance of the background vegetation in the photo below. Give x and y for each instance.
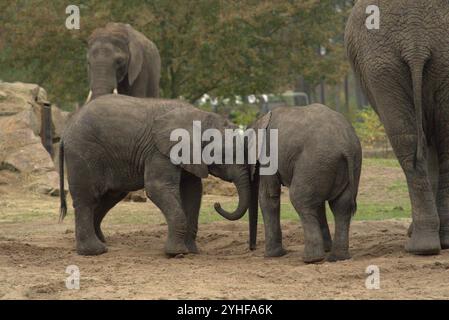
(217, 47)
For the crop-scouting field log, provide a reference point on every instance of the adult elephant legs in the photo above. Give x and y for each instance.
(443, 178)
(191, 192)
(396, 111)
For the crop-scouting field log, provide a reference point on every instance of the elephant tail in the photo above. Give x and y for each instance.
(416, 66)
(253, 209)
(63, 208)
(354, 167)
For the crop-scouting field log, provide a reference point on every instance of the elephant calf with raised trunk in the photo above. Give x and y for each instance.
(117, 144)
(122, 60)
(319, 160)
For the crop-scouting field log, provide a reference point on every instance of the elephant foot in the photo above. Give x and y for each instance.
(338, 256)
(313, 255)
(174, 248)
(191, 246)
(444, 239)
(275, 252)
(327, 245)
(410, 230)
(423, 243)
(91, 248)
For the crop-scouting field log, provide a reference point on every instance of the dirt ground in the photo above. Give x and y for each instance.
(35, 251)
(34, 257)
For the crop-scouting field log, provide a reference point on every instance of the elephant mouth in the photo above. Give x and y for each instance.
(90, 95)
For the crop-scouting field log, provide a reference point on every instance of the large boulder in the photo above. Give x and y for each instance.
(21, 149)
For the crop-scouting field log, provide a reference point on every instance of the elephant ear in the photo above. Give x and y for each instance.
(261, 123)
(182, 118)
(135, 55)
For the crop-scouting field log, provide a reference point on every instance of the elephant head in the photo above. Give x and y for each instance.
(183, 118)
(115, 56)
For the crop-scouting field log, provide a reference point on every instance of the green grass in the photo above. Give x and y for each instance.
(384, 197)
(365, 211)
(379, 162)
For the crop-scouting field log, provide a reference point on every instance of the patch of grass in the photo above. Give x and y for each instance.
(398, 186)
(386, 200)
(379, 162)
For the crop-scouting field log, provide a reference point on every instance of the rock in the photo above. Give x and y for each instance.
(137, 196)
(21, 149)
(216, 186)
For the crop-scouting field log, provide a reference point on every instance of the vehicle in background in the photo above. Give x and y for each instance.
(287, 99)
(264, 102)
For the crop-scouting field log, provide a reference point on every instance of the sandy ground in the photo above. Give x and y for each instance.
(33, 262)
(35, 251)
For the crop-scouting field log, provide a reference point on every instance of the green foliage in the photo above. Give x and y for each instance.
(244, 114)
(223, 48)
(369, 129)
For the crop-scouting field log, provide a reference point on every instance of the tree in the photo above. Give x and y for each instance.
(223, 48)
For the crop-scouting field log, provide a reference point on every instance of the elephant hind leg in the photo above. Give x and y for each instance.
(107, 202)
(342, 209)
(396, 110)
(87, 242)
(324, 228)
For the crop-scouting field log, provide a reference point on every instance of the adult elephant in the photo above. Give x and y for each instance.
(117, 144)
(403, 68)
(122, 60)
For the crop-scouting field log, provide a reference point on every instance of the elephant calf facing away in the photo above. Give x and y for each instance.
(117, 144)
(319, 159)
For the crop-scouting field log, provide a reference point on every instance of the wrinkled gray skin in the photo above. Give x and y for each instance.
(117, 144)
(122, 58)
(319, 160)
(403, 70)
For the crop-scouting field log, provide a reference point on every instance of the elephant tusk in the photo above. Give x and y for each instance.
(89, 97)
(115, 91)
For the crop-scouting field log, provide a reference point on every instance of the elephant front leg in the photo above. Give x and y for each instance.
(269, 195)
(191, 192)
(162, 188)
(167, 199)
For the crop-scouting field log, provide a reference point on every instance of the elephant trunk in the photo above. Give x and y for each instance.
(243, 189)
(253, 210)
(103, 81)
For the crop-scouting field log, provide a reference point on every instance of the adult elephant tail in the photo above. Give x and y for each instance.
(416, 64)
(63, 208)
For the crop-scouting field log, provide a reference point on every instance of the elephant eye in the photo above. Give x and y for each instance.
(120, 61)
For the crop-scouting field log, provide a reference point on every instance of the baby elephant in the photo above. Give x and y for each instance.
(118, 144)
(319, 159)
